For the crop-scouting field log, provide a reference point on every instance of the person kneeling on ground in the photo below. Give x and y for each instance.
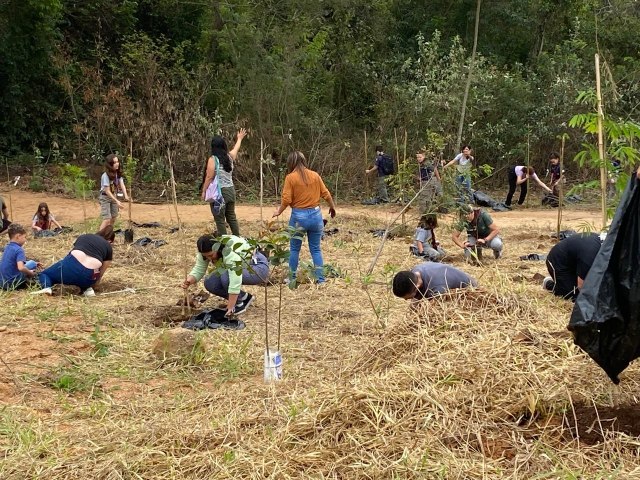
(235, 253)
(424, 241)
(84, 265)
(15, 270)
(428, 280)
(482, 232)
(569, 262)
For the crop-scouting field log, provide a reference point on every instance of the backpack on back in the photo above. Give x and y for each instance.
(387, 165)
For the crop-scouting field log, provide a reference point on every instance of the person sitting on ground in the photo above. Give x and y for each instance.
(5, 216)
(379, 167)
(519, 175)
(481, 232)
(302, 190)
(569, 262)
(15, 270)
(424, 242)
(42, 222)
(235, 255)
(84, 266)
(427, 280)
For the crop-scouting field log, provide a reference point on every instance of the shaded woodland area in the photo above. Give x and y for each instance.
(80, 79)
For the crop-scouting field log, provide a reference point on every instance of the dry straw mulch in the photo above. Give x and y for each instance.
(475, 384)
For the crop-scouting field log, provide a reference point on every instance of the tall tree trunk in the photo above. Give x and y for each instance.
(469, 75)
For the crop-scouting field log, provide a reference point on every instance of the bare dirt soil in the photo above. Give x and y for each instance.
(479, 384)
(24, 204)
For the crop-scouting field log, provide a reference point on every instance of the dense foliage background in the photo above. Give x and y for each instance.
(79, 79)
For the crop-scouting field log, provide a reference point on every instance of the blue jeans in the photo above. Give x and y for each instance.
(68, 271)
(309, 221)
(464, 187)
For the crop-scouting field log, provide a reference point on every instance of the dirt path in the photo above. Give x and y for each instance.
(23, 204)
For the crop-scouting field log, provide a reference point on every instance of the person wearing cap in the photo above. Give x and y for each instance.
(481, 232)
(569, 262)
(237, 263)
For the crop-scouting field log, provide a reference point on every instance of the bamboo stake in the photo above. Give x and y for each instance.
(261, 180)
(528, 163)
(560, 189)
(130, 183)
(366, 164)
(390, 224)
(603, 163)
(6, 161)
(404, 162)
(180, 229)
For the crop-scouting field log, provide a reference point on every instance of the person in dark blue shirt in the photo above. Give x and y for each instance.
(15, 270)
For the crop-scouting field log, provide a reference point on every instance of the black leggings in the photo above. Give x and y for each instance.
(513, 183)
(566, 284)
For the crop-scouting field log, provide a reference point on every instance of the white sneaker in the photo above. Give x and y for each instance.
(548, 284)
(89, 293)
(45, 291)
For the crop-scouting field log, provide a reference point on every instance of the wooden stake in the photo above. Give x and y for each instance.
(261, 180)
(404, 161)
(6, 160)
(528, 164)
(366, 163)
(603, 162)
(560, 188)
(130, 183)
(180, 229)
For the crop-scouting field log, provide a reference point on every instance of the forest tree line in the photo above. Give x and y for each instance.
(80, 79)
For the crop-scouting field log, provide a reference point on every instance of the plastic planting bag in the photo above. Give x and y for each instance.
(606, 317)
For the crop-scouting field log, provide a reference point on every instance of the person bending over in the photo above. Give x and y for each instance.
(568, 264)
(239, 265)
(84, 266)
(519, 175)
(427, 280)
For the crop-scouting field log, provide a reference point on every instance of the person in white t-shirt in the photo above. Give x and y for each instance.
(519, 175)
(464, 163)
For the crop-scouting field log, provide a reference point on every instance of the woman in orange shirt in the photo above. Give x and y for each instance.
(302, 191)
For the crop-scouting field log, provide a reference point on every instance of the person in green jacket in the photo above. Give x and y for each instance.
(240, 265)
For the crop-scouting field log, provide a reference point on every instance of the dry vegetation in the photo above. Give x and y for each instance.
(482, 384)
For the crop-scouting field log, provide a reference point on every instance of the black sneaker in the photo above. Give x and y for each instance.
(242, 306)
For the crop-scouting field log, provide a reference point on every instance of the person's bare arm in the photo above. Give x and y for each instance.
(236, 148)
(522, 179)
(23, 269)
(123, 188)
(420, 246)
(494, 230)
(448, 164)
(107, 192)
(457, 240)
(580, 283)
(436, 172)
(53, 220)
(208, 176)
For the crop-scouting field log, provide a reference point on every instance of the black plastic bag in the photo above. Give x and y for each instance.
(483, 200)
(213, 319)
(606, 317)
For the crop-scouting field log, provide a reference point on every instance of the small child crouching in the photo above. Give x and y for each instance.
(425, 244)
